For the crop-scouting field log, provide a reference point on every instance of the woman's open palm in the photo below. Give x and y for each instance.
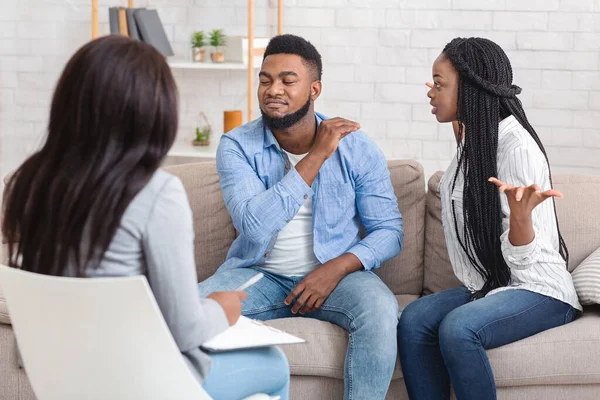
(523, 199)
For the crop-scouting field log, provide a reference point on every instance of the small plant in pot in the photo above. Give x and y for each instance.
(197, 42)
(217, 40)
(203, 131)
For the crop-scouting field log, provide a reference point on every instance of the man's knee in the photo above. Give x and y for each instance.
(380, 312)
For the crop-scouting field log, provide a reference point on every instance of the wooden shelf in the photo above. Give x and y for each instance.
(209, 65)
(252, 51)
(191, 151)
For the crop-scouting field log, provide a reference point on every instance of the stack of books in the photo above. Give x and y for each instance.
(140, 24)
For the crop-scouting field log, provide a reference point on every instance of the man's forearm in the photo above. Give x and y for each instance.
(308, 168)
(344, 264)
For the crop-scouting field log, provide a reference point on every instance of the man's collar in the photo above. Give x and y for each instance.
(270, 139)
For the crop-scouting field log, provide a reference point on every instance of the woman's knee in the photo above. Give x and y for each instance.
(413, 321)
(279, 358)
(278, 362)
(456, 333)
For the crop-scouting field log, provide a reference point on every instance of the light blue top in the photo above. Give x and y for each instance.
(263, 192)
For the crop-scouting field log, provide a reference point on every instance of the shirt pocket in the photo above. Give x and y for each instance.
(337, 202)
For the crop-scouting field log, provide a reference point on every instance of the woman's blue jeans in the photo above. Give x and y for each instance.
(442, 338)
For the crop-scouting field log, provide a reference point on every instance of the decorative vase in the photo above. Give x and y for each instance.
(198, 54)
(231, 119)
(217, 57)
(203, 131)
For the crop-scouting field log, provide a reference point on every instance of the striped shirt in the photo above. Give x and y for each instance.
(538, 266)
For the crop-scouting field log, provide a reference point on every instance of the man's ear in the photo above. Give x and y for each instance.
(315, 90)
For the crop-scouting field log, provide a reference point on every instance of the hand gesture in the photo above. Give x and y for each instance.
(329, 134)
(523, 199)
(315, 288)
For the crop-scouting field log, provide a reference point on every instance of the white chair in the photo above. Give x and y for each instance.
(96, 339)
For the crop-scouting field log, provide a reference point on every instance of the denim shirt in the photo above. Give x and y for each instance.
(263, 192)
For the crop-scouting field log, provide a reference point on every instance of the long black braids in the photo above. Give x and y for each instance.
(486, 95)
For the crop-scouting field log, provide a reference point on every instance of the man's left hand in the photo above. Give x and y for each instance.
(316, 287)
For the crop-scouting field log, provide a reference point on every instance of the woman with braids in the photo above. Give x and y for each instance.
(92, 202)
(501, 231)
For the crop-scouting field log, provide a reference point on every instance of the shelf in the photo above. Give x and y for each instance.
(191, 151)
(208, 65)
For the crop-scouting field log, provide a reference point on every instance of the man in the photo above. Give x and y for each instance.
(298, 186)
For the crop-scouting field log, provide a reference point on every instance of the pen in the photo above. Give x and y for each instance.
(251, 282)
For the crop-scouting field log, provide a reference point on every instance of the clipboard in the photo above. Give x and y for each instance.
(247, 334)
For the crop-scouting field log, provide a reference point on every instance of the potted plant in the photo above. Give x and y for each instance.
(217, 40)
(197, 42)
(203, 131)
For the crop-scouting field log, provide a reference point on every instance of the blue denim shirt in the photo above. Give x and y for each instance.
(263, 192)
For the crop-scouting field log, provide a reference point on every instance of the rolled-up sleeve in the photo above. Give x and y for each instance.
(378, 209)
(522, 167)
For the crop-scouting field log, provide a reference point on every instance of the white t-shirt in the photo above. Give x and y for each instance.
(292, 254)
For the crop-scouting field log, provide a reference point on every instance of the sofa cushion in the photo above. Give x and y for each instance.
(325, 350)
(586, 278)
(569, 354)
(438, 273)
(215, 232)
(403, 274)
(566, 355)
(579, 217)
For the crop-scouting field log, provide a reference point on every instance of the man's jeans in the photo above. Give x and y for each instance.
(442, 337)
(361, 304)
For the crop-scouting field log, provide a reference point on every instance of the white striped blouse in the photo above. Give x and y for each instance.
(538, 266)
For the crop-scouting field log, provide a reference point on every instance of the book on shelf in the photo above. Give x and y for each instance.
(113, 20)
(152, 31)
(140, 24)
(123, 30)
(132, 26)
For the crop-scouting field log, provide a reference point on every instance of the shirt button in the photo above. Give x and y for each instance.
(267, 254)
(287, 166)
(306, 196)
(287, 221)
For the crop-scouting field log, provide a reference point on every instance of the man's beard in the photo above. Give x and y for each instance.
(287, 121)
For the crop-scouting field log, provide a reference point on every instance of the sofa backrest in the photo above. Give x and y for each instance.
(578, 214)
(215, 232)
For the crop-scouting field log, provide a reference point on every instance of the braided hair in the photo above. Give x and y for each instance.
(486, 95)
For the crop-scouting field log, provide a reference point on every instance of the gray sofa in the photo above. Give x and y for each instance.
(562, 363)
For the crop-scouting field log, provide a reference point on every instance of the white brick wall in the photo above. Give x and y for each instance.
(376, 54)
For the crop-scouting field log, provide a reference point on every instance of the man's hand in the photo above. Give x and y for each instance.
(316, 287)
(329, 134)
(327, 139)
(231, 303)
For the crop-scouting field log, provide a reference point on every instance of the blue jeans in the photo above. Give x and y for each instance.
(239, 374)
(442, 337)
(361, 304)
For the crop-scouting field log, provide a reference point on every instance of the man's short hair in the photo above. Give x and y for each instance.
(292, 44)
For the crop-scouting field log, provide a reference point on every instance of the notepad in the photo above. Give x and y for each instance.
(249, 333)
